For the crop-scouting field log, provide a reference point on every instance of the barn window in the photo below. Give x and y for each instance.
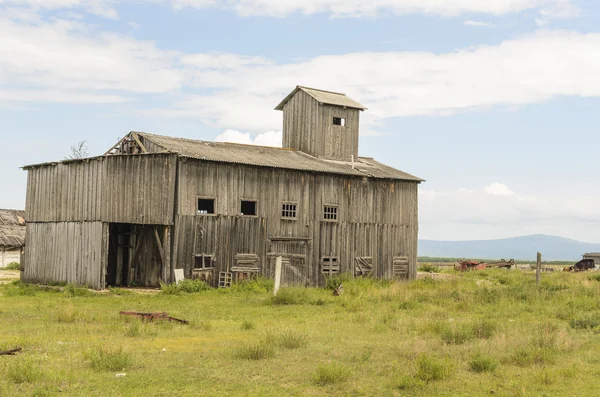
(330, 265)
(206, 205)
(339, 121)
(248, 207)
(330, 213)
(289, 210)
(203, 262)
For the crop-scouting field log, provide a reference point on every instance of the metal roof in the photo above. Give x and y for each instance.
(322, 96)
(12, 228)
(264, 156)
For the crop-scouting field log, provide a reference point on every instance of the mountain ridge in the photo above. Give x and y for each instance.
(518, 248)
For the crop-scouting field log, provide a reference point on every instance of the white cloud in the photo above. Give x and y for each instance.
(103, 8)
(478, 23)
(270, 138)
(361, 8)
(495, 211)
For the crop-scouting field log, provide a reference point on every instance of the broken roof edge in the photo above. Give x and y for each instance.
(98, 158)
(354, 105)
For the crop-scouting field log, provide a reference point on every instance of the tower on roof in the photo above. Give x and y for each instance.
(321, 123)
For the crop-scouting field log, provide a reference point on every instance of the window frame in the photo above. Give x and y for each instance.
(282, 210)
(342, 121)
(337, 213)
(255, 201)
(214, 199)
(204, 268)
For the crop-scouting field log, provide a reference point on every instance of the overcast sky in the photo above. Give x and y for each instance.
(495, 103)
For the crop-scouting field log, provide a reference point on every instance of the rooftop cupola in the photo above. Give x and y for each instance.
(321, 123)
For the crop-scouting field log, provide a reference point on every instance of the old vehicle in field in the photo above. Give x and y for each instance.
(581, 266)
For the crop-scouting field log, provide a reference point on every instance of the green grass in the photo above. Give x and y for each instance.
(463, 335)
(12, 266)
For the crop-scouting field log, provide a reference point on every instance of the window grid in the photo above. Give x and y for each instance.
(330, 213)
(289, 210)
(202, 262)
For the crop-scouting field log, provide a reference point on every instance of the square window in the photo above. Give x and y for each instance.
(339, 121)
(248, 208)
(206, 206)
(330, 213)
(202, 262)
(289, 210)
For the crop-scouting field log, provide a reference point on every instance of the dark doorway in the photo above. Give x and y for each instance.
(120, 252)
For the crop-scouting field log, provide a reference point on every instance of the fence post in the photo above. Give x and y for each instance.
(277, 274)
(538, 269)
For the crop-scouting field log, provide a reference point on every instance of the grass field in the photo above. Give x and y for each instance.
(483, 333)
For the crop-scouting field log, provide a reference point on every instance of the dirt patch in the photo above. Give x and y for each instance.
(6, 276)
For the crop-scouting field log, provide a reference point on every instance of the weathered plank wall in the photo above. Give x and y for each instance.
(376, 218)
(69, 252)
(308, 127)
(127, 189)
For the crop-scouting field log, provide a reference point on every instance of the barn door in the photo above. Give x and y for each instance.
(329, 255)
(294, 270)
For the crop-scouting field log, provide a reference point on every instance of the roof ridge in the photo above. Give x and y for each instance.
(318, 89)
(213, 142)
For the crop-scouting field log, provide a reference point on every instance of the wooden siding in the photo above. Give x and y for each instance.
(69, 252)
(127, 189)
(376, 219)
(308, 127)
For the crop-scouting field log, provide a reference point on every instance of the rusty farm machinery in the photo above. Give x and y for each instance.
(468, 265)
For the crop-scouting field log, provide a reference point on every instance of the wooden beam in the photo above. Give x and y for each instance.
(137, 140)
(159, 245)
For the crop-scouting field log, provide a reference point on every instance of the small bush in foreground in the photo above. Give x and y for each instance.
(290, 296)
(187, 286)
(23, 371)
(586, 321)
(258, 285)
(108, 359)
(289, 339)
(13, 266)
(255, 352)
(247, 325)
(73, 290)
(430, 369)
(428, 268)
(333, 373)
(480, 363)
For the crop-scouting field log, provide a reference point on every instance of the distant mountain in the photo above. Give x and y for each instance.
(518, 248)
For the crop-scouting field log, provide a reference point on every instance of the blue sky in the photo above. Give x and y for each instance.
(495, 103)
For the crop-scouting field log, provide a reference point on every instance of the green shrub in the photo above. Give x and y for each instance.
(258, 285)
(187, 286)
(329, 374)
(289, 339)
(430, 369)
(23, 370)
(73, 290)
(17, 288)
(429, 268)
(457, 335)
(247, 325)
(594, 277)
(255, 351)
(108, 359)
(480, 363)
(334, 281)
(586, 321)
(13, 266)
(484, 329)
(291, 296)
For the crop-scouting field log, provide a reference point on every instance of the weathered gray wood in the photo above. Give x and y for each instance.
(538, 269)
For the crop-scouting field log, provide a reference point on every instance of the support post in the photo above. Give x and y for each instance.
(278, 262)
(538, 268)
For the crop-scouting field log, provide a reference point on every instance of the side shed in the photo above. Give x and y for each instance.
(12, 236)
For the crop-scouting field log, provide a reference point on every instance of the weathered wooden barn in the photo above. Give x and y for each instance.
(223, 212)
(12, 236)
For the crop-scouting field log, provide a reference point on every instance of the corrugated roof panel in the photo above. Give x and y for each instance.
(326, 97)
(263, 156)
(12, 228)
